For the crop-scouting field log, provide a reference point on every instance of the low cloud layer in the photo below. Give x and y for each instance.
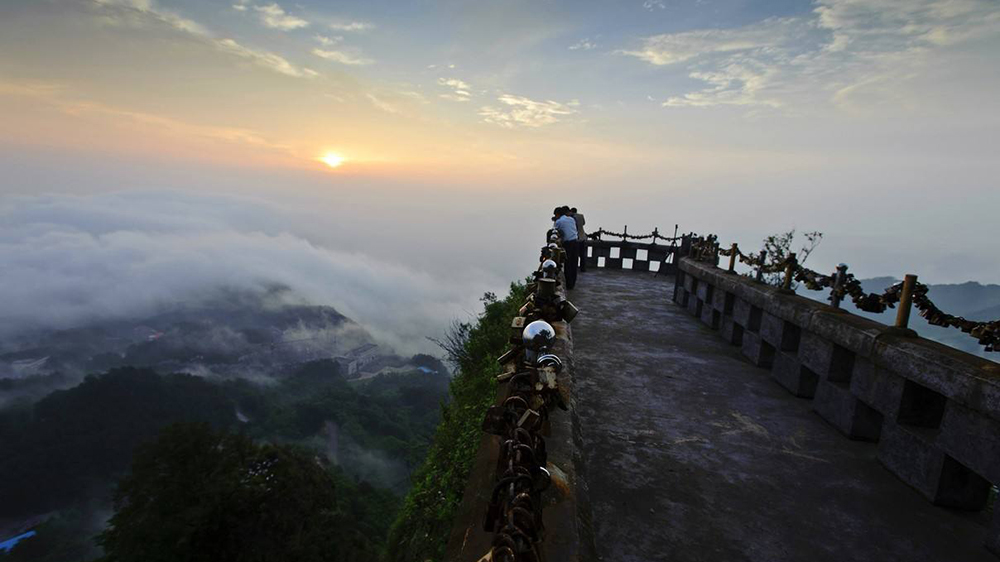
(71, 260)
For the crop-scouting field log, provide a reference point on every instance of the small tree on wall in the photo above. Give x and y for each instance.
(779, 246)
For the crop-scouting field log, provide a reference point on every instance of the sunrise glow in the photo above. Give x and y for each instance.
(332, 160)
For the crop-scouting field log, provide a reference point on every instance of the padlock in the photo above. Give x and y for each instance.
(547, 378)
(568, 311)
(509, 355)
(517, 329)
(529, 419)
(506, 375)
(546, 288)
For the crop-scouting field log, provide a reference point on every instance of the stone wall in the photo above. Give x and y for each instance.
(933, 411)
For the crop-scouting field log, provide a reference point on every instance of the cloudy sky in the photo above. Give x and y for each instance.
(436, 136)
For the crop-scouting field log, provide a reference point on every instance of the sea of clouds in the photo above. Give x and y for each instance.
(69, 260)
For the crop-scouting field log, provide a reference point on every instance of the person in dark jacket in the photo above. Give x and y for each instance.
(581, 237)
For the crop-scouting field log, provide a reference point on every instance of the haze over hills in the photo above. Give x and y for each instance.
(228, 333)
(75, 404)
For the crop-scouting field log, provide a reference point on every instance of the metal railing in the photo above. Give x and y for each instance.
(530, 390)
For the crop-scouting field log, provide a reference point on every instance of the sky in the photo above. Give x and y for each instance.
(453, 128)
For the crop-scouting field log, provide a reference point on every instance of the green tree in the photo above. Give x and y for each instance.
(779, 246)
(196, 494)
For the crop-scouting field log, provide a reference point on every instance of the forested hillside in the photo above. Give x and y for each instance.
(61, 457)
(170, 449)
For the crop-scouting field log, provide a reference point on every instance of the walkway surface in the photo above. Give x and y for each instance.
(693, 454)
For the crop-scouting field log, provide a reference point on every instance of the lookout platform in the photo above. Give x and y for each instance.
(691, 452)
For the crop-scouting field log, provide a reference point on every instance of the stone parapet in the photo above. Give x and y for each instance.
(933, 411)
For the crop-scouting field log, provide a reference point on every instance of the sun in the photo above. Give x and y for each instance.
(332, 160)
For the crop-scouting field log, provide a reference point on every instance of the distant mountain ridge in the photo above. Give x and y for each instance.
(971, 299)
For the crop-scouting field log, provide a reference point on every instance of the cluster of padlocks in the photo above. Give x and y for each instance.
(529, 387)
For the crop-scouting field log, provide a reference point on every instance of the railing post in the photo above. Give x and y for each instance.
(732, 258)
(906, 301)
(790, 264)
(760, 267)
(840, 277)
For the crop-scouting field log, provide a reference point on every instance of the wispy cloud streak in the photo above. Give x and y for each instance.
(842, 45)
(519, 111)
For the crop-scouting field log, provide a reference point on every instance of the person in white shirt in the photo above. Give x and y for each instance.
(566, 226)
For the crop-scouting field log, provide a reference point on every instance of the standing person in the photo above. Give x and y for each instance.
(567, 230)
(581, 237)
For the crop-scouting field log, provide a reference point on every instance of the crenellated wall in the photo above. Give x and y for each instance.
(933, 411)
(636, 256)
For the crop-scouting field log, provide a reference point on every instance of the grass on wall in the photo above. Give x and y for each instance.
(421, 529)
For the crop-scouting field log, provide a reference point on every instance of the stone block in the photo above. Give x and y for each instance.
(795, 377)
(815, 353)
(705, 291)
(969, 380)
(913, 456)
(750, 346)
(850, 331)
(855, 419)
(771, 328)
(719, 300)
(880, 388)
(972, 438)
(690, 282)
(793, 308)
(755, 293)
(758, 351)
(710, 316)
(726, 328)
(694, 305)
(741, 312)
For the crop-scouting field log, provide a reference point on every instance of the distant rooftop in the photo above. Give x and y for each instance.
(362, 349)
